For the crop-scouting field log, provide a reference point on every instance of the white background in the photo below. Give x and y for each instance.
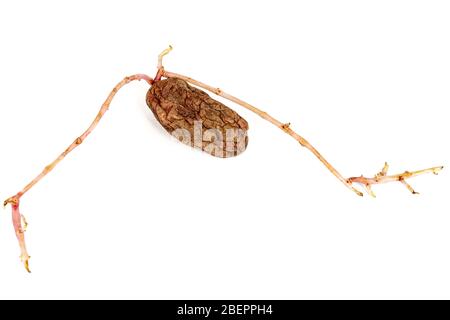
(134, 214)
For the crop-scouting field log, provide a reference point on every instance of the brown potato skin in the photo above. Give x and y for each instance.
(177, 105)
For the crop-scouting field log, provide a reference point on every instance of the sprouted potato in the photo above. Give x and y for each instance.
(196, 119)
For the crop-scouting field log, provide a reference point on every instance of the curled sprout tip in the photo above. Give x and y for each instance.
(437, 170)
(162, 54)
(25, 261)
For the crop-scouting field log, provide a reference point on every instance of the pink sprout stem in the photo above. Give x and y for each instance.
(19, 222)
